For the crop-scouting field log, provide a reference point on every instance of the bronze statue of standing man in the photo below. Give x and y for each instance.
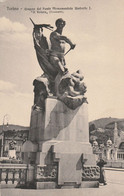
(58, 46)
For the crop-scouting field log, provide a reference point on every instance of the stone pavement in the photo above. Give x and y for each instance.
(115, 187)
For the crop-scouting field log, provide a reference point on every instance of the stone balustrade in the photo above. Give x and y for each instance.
(13, 174)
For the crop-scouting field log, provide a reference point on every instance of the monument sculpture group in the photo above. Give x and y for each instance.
(58, 147)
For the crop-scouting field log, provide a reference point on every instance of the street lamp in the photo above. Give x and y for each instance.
(6, 117)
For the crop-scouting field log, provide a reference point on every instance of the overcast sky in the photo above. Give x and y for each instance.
(98, 33)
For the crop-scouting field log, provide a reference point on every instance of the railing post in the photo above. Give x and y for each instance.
(19, 175)
(6, 179)
(26, 175)
(13, 179)
(0, 175)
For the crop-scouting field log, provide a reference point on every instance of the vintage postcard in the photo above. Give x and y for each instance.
(91, 48)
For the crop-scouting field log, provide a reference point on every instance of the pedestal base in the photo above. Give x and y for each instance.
(45, 185)
(89, 184)
(65, 165)
(64, 156)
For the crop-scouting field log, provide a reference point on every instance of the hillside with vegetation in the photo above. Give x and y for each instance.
(102, 129)
(11, 127)
(102, 122)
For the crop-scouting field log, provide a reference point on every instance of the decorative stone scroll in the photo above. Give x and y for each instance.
(47, 173)
(90, 173)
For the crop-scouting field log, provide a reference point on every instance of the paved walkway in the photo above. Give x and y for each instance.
(115, 187)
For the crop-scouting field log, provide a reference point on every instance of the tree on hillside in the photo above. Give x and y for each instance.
(92, 127)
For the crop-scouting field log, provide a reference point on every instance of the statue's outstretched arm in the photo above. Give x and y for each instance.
(62, 37)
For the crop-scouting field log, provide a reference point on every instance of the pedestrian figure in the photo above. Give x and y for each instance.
(102, 178)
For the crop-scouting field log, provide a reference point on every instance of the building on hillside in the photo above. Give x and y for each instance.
(11, 142)
(112, 151)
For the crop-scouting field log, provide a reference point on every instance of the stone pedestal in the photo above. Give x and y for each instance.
(62, 136)
(60, 123)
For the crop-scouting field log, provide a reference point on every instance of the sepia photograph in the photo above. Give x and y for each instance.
(61, 97)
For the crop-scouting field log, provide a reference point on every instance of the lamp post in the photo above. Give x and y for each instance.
(6, 116)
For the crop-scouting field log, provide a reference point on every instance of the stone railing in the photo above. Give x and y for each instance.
(13, 174)
(115, 164)
(120, 155)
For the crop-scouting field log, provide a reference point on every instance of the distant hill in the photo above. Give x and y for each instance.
(103, 122)
(102, 129)
(12, 127)
(120, 125)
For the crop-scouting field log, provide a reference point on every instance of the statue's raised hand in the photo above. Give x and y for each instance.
(73, 46)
